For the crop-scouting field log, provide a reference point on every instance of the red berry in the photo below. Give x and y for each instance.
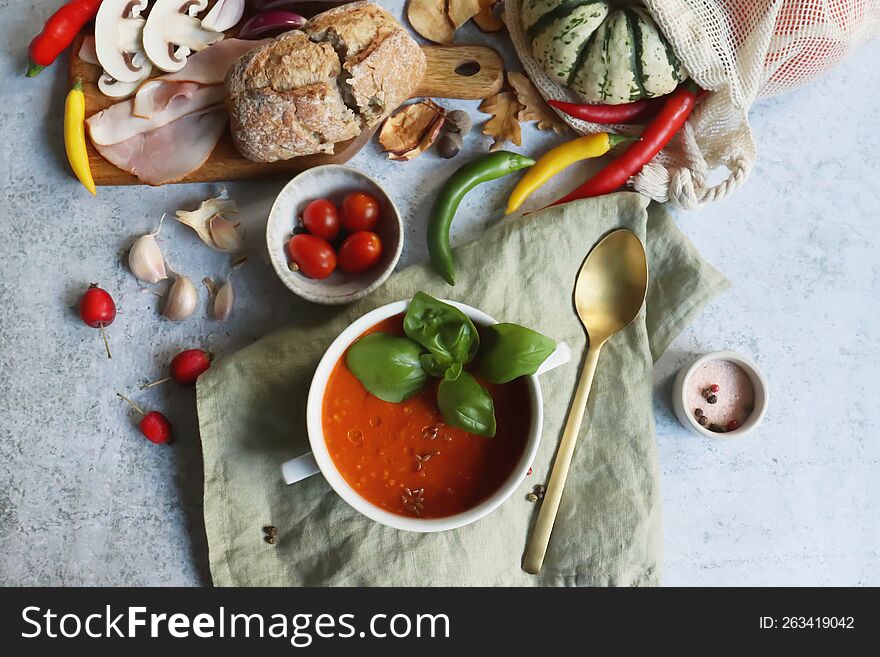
(714, 387)
(156, 428)
(733, 424)
(189, 365)
(529, 472)
(96, 308)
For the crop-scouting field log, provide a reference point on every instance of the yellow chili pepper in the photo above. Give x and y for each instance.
(557, 159)
(75, 136)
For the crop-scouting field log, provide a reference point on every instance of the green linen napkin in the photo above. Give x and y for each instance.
(251, 410)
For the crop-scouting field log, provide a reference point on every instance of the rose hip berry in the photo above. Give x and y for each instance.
(189, 365)
(96, 309)
(156, 428)
(153, 425)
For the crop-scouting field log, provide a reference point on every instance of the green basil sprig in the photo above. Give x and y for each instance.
(440, 341)
(447, 333)
(387, 366)
(510, 351)
(467, 405)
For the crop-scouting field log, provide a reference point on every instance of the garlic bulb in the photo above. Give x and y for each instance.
(181, 300)
(145, 258)
(223, 302)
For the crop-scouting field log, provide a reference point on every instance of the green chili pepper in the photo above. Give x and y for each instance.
(490, 167)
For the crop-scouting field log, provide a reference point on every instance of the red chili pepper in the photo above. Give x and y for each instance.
(675, 111)
(58, 33)
(609, 114)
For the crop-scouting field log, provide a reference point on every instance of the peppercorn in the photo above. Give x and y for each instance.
(269, 539)
(733, 424)
(712, 399)
(698, 412)
(531, 497)
(714, 387)
(703, 420)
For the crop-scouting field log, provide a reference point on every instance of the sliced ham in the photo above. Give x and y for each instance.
(172, 151)
(117, 123)
(208, 66)
(153, 97)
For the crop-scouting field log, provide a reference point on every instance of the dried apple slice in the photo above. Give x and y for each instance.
(412, 130)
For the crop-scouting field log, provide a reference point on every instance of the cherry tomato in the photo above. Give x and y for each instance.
(359, 212)
(321, 219)
(314, 256)
(359, 252)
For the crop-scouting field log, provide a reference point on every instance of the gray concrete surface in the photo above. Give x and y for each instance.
(85, 500)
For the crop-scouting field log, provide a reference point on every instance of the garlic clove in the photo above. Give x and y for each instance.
(200, 220)
(223, 302)
(145, 260)
(225, 235)
(181, 300)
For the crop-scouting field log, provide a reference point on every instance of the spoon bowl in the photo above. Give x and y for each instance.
(608, 295)
(611, 285)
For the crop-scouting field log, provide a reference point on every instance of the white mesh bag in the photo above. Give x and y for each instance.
(741, 50)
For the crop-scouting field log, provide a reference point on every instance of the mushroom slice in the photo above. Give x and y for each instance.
(118, 45)
(173, 32)
(110, 86)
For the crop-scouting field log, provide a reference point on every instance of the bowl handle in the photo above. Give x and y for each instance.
(299, 468)
(559, 357)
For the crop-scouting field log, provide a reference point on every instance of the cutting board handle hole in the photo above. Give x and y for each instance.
(468, 69)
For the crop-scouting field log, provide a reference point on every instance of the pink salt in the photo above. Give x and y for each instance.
(736, 394)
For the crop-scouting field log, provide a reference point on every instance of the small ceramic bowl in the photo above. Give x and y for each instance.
(759, 384)
(333, 182)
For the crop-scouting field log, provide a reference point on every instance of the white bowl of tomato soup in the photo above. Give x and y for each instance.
(400, 464)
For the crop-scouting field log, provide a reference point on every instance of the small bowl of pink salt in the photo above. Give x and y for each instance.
(720, 395)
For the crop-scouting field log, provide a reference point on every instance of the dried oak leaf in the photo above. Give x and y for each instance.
(486, 19)
(429, 19)
(461, 11)
(534, 107)
(504, 124)
(412, 130)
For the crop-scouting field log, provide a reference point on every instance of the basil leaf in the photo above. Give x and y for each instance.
(467, 405)
(453, 372)
(431, 366)
(387, 366)
(510, 351)
(446, 332)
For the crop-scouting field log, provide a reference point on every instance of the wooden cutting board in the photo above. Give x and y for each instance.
(465, 72)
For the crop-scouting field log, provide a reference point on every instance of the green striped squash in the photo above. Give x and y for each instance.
(604, 52)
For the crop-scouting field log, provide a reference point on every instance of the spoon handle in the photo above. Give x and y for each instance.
(540, 538)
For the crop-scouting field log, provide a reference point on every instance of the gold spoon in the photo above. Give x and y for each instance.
(608, 294)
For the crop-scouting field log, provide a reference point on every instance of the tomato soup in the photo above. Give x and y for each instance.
(403, 457)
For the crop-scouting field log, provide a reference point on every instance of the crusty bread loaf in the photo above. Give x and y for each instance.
(309, 89)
